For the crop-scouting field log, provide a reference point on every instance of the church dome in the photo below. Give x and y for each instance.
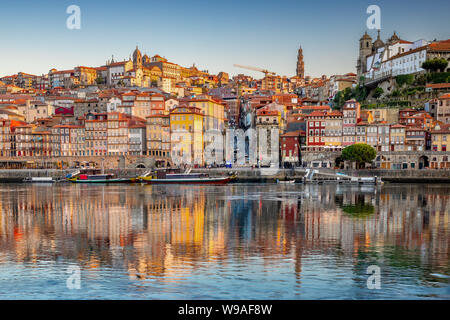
(137, 56)
(394, 38)
(378, 43)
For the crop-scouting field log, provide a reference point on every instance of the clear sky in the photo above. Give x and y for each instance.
(212, 34)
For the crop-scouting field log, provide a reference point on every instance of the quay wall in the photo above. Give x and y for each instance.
(252, 175)
(405, 176)
(271, 175)
(17, 175)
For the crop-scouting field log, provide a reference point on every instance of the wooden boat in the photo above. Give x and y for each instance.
(163, 177)
(93, 176)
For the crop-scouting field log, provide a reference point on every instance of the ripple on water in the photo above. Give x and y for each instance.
(232, 242)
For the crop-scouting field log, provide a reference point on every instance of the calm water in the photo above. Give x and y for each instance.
(262, 241)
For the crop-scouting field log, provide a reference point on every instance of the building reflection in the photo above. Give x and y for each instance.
(169, 232)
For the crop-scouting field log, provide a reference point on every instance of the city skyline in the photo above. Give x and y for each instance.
(260, 34)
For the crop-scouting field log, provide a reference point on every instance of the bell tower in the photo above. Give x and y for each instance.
(300, 64)
(365, 49)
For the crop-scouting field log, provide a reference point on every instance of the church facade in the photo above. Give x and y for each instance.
(379, 61)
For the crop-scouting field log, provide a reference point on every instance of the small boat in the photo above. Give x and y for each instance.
(286, 181)
(39, 180)
(163, 177)
(94, 176)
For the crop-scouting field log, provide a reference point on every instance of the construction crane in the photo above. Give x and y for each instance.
(266, 72)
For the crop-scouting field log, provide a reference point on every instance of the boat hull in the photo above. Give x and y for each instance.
(209, 181)
(101, 181)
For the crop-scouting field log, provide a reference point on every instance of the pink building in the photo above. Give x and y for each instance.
(351, 114)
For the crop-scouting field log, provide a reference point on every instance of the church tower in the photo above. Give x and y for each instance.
(300, 64)
(137, 58)
(365, 49)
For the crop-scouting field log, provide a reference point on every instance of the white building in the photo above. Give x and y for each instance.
(399, 58)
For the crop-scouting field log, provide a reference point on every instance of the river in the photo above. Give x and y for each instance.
(240, 241)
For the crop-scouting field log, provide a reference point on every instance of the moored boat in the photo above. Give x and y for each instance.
(39, 180)
(286, 181)
(163, 177)
(94, 176)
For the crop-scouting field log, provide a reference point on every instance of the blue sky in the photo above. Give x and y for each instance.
(212, 34)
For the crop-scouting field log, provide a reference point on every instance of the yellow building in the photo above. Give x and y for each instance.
(85, 75)
(213, 112)
(398, 137)
(186, 128)
(440, 138)
(383, 114)
(158, 135)
(333, 130)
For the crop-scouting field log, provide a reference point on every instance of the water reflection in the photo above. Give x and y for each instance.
(237, 241)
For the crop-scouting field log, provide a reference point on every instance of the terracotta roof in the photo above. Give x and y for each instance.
(438, 85)
(294, 133)
(316, 114)
(445, 96)
(116, 64)
(265, 112)
(158, 116)
(334, 113)
(412, 128)
(440, 45)
(314, 108)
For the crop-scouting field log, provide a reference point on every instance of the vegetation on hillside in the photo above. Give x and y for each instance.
(359, 93)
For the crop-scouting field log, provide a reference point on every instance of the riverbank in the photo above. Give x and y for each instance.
(17, 175)
(393, 176)
(248, 175)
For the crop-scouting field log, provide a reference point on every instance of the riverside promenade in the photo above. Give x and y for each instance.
(273, 174)
(256, 175)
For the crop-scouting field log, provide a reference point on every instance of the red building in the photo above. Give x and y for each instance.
(315, 128)
(290, 144)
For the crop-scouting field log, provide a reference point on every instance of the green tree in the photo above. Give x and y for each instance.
(348, 94)
(360, 93)
(436, 64)
(100, 80)
(404, 79)
(339, 99)
(378, 92)
(396, 93)
(360, 153)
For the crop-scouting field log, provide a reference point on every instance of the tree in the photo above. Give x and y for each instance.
(100, 80)
(378, 92)
(348, 94)
(360, 93)
(339, 99)
(436, 64)
(404, 79)
(360, 153)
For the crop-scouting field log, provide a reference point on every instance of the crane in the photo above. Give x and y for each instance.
(266, 72)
